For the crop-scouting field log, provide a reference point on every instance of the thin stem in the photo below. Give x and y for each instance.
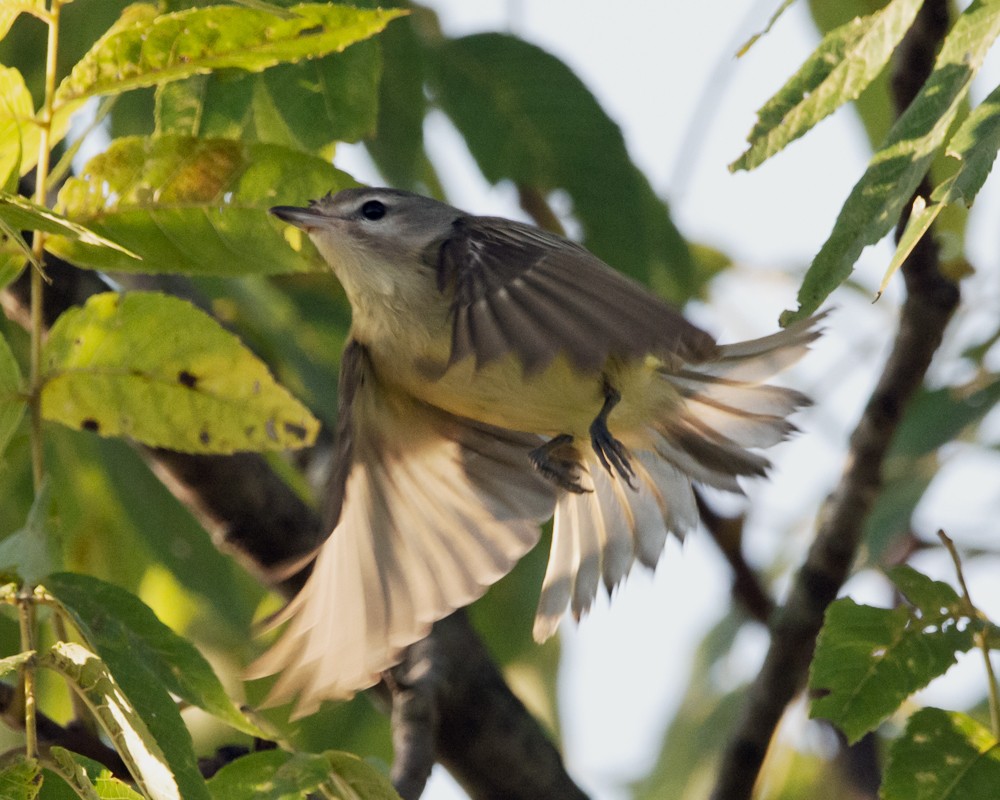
(980, 637)
(38, 245)
(26, 618)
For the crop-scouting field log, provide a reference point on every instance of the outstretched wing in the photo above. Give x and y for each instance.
(518, 288)
(435, 509)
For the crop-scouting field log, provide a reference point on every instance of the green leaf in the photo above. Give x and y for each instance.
(156, 369)
(12, 400)
(975, 145)
(12, 259)
(195, 206)
(942, 755)
(308, 106)
(528, 118)
(89, 778)
(12, 9)
(133, 642)
(745, 47)
(145, 48)
(20, 213)
(937, 416)
(935, 599)
(19, 131)
(34, 551)
(398, 144)
(11, 664)
(154, 771)
(868, 660)
(20, 778)
(16, 116)
(875, 203)
(845, 63)
(279, 775)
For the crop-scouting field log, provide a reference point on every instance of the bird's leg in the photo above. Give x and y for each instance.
(558, 461)
(611, 452)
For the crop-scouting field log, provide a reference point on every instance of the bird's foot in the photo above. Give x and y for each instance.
(613, 455)
(559, 461)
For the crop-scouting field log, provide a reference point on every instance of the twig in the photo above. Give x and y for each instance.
(930, 301)
(980, 637)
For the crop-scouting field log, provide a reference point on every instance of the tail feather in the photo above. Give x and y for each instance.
(723, 410)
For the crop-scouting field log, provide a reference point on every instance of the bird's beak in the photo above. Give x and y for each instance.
(304, 218)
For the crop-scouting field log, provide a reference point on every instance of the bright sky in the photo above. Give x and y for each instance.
(655, 67)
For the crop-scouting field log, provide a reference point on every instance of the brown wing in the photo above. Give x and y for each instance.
(521, 289)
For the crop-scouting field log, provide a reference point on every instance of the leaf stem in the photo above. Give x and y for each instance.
(26, 619)
(980, 636)
(38, 245)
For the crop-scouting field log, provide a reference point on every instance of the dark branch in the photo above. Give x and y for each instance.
(931, 300)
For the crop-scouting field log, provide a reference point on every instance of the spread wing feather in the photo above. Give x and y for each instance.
(435, 509)
(517, 288)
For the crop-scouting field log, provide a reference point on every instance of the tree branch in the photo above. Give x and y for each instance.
(485, 736)
(931, 300)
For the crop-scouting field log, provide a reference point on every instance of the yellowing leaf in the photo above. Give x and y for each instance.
(193, 205)
(156, 369)
(145, 48)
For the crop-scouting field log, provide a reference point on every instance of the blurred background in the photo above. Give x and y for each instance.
(643, 692)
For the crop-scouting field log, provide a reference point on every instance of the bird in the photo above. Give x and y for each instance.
(497, 375)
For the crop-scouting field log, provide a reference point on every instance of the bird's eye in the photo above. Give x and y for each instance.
(373, 210)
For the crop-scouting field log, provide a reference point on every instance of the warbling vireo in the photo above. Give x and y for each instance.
(497, 374)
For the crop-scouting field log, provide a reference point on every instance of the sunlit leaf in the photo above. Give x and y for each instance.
(16, 115)
(128, 636)
(193, 205)
(156, 369)
(20, 213)
(874, 205)
(975, 145)
(12, 401)
(869, 660)
(19, 131)
(146, 48)
(942, 755)
(528, 118)
(843, 65)
(84, 774)
(123, 723)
